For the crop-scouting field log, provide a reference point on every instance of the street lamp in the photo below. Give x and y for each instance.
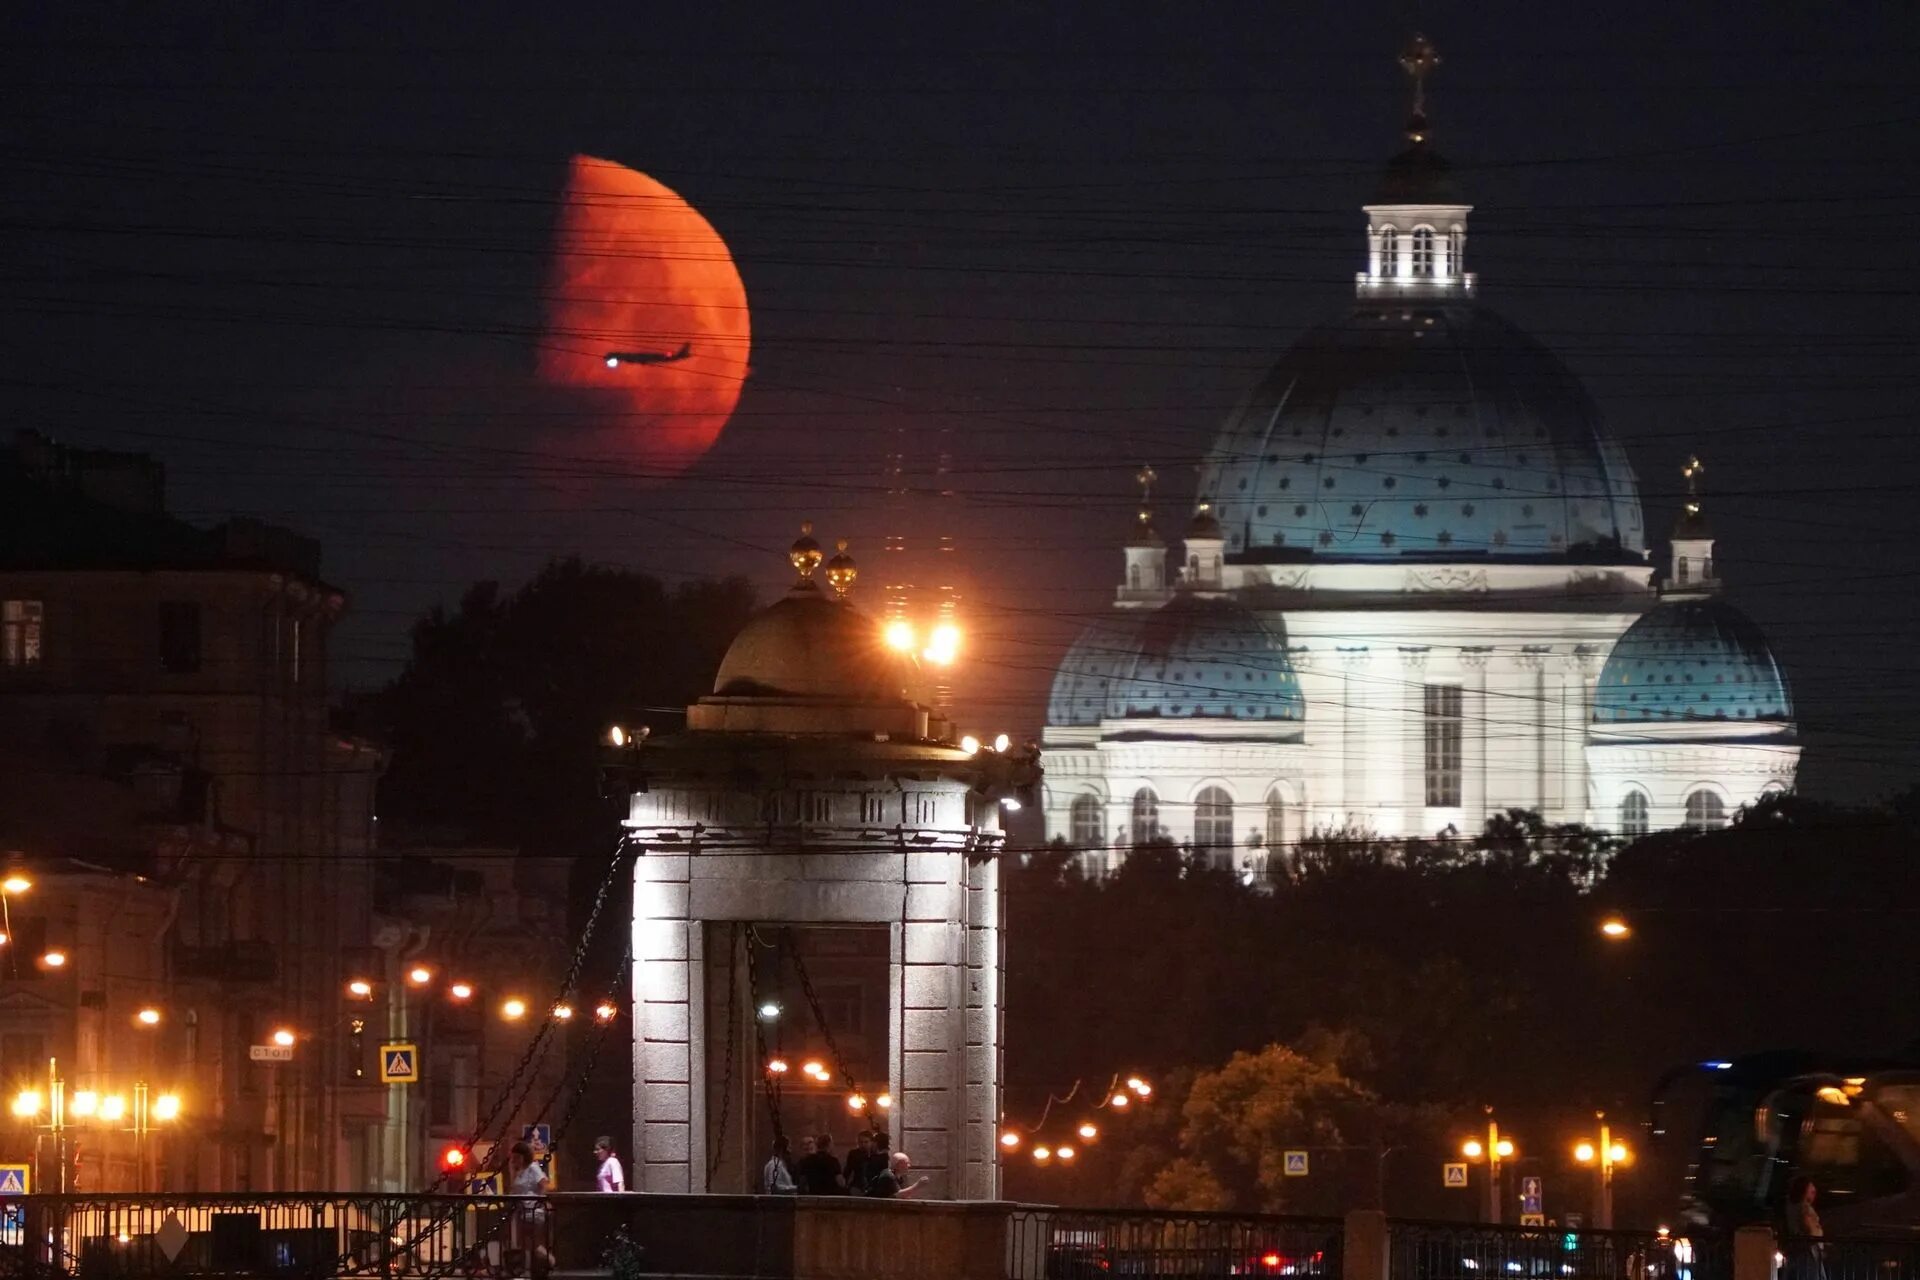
(1605, 1156)
(148, 1017)
(1493, 1150)
(16, 883)
(419, 975)
(1615, 928)
(284, 1038)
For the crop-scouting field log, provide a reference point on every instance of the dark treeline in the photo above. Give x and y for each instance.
(1443, 976)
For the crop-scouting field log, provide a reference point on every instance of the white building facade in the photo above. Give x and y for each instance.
(1416, 592)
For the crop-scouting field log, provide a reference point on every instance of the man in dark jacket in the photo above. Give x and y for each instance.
(818, 1172)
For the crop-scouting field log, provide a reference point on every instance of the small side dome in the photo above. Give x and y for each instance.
(1692, 660)
(1207, 658)
(1205, 524)
(1103, 650)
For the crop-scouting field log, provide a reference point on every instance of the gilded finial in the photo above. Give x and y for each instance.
(804, 555)
(1145, 478)
(1418, 60)
(1693, 469)
(841, 570)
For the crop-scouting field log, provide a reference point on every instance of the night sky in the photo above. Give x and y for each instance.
(298, 251)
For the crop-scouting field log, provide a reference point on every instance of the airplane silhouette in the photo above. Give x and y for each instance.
(617, 358)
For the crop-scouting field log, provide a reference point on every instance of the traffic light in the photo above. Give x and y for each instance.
(453, 1159)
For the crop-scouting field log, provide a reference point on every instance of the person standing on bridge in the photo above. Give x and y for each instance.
(776, 1176)
(529, 1223)
(611, 1176)
(1805, 1254)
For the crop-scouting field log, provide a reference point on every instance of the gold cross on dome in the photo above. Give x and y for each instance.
(1693, 469)
(1145, 478)
(1418, 60)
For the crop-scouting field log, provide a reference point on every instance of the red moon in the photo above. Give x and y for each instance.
(637, 272)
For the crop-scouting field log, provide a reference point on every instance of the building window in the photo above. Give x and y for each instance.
(1443, 746)
(1634, 820)
(20, 623)
(1085, 828)
(873, 808)
(1133, 576)
(1423, 251)
(1213, 826)
(1276, 822)
(1146, 817)
(1680, 571)
(924, 811)
(1705, 811)
(1389, 252)
(180, 636)
(1456, 252)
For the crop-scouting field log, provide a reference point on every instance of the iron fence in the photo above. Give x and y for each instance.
(272, 1235)
(1471, 1251)
(1849, 1258)
(1088, 1244)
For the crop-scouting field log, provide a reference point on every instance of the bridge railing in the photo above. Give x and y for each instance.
(291, 1235)
(1849, 1258)
(1473, 1251)
(1095, 1244)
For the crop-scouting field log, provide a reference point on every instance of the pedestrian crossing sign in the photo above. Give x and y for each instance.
(399, 1063)
(15, 1179)
(1296, 1165)
(1453, 1174)
(485, 1184)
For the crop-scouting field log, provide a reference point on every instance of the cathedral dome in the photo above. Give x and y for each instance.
(1411, 430)
(1205, 658)
(1103, 650)
(809, 646)
(1694, 659)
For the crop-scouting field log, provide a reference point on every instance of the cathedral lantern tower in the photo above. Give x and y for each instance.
(816, 908)
(1417, 220)
(1146, 552)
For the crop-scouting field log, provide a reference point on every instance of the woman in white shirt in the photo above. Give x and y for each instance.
(611, 1176)
(525, 1177)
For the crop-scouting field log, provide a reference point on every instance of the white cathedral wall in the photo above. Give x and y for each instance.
(1667, 772)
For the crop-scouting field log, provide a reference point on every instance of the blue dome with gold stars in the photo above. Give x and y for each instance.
(1206, 658)
(1102, 650)
(1421, 430)
(1694, 659)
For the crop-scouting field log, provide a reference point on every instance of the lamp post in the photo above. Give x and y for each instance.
(1604, 1157)
(1494, 1151)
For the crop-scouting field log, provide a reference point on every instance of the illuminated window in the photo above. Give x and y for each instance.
(1146, 817)
(1633, 815)
(1086, 829)
(1423, 251)
(1456, 252)
(20, 623)
(1213, 826)
(180, 636)
(1443, 745)
(1705, 811)
(1389, 252)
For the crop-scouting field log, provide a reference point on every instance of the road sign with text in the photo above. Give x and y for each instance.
(270, 1052)
(1296, 1164)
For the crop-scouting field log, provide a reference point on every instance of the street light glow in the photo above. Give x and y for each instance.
(1010, 1140)
(770, 1010)
(113, 1107)
(419, 975)
(1065, 1153)
(563, 1012)
(813, 1068)
(166, 1107)
(85, 1102)
(1088, 1132)
(777, 1066)
(1472, 1150)
(54, 959)
(1584, 1153)
(943, 645)
(1617, 1153)
(26, 1102)
(1121, 1101)
(360, 989)
(148, 1017)
(605, 1011)
(16, 883)
(970, 745)
(1001, 742)
(513, 1008)
(284, 1038)
(1042, 1154)
(899, 635)
(884, 1102)
(1503, 1148)
(461, 991)
(857, 1102)
(1615, 927)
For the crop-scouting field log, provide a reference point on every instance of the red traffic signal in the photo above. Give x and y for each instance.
(452, 1158)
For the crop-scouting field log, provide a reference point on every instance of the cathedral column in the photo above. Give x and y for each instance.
(1581, 669)
(1413, 740)
(1354, 664)
(1531, 723)
(1473, 791)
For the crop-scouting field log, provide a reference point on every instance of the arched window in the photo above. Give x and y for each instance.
(1634, 821)
(1456, 252)
(1146, 817)
(1389, 253)
(1086, 829)
(1276, 823)
(1705, 811)
(1680, 570)
(1423, 251)
(1213, 826)
(1133, 576)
